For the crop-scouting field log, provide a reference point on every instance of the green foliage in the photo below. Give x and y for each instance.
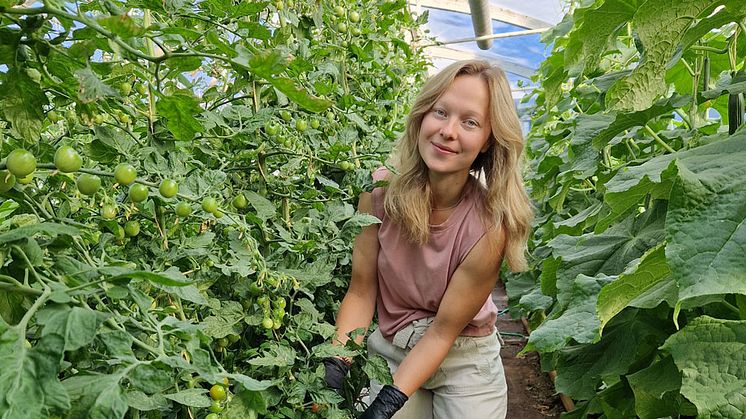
(141, 312)
(636, 288)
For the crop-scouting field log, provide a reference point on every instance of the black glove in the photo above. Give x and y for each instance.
(388, 402)
(335, 372)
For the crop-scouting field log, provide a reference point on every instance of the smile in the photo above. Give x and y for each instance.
(443, 149)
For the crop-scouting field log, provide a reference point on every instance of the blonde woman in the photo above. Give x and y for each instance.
(429, 268)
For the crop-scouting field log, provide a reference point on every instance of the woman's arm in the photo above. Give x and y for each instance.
(470, 285)
(359, 303)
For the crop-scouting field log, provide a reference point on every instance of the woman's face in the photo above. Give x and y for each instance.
(457, 127)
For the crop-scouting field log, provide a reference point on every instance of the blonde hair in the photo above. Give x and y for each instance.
(504, 200)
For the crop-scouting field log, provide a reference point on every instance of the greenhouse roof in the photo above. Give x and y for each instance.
(521, 22)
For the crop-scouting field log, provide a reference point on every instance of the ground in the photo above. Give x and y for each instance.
(531, 393)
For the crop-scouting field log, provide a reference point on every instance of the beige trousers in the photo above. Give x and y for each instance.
(470, 383)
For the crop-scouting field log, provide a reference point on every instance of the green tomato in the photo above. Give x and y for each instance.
(98, 119)
(280, 302)
(285, 115)
(212, 416)
(88, 184)
(339, 11)
(108, 212)
(355, 31)
(71, 116)
(138, 192)
(21, 162)
(183, 209)
(217, 392)
(341, 27)
(67, 160)
(301, 125)
(267, 323)
(315, 123)
(240, 201)
(168, 188)
(209, 204)
(132, 228)
(124, 118)
(217, 213)
(125, 174)
(233, 338)
(125, 88)
(53, 116)
(118, 232)
(271, 129)
(141, 89)
(223, 342)
(7, 180)
(216, 407)
(354, 17)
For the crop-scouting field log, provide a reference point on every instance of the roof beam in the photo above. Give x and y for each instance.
(496, 12)
(457, 55)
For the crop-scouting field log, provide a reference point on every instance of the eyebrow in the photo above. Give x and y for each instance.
(467, 112)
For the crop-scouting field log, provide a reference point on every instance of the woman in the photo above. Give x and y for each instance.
(430, 266)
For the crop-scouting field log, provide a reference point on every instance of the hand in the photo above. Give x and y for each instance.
(389, 400)
(335, 373)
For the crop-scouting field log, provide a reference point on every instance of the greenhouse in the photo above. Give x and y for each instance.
(378, 209)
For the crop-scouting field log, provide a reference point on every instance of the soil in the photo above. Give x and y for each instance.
(531, 393)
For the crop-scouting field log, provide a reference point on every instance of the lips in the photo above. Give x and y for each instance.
(443, 148)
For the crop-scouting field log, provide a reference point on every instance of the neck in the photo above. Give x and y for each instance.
(447, 192)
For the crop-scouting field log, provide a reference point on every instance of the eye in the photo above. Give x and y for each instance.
(471, 123)
(440, 113)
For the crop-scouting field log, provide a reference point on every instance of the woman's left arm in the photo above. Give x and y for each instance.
(470, 286)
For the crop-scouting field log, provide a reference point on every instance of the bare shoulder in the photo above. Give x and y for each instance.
(487, 254)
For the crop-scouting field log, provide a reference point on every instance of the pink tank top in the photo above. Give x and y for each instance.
(413, 278)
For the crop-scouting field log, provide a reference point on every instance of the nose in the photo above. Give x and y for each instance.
(448, 129)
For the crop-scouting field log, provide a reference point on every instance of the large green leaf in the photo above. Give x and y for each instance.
(705, 226)
(656, 389)
(646, 284)
(632, 335)
(660, 25)
(710, 353)
(578, 322)
(594, 33)
(22, 103)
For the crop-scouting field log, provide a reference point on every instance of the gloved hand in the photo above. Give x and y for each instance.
(389, 401)
(335, 373)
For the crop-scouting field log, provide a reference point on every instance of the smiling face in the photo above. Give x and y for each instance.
(456, 128)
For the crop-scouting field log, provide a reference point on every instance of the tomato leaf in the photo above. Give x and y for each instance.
(22, 102)
(178, 111)
(76, 325)
(194, 397)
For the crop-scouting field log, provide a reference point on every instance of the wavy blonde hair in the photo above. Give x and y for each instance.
(504, 199)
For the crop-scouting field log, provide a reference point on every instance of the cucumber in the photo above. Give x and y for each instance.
(735, 112)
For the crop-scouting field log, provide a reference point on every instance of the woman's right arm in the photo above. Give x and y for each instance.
(358, 305)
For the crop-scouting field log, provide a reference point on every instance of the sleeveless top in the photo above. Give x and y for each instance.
(412, 278)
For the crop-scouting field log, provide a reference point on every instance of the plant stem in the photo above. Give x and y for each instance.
(659, 140)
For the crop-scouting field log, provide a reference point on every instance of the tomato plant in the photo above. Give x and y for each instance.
(136, 325)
